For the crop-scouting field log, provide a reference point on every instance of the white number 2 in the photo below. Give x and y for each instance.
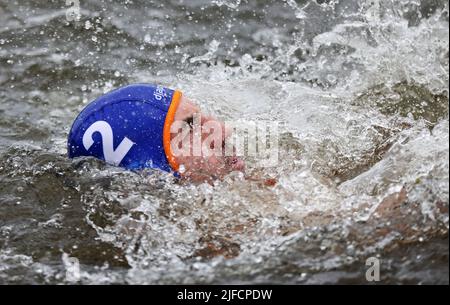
(111, 156)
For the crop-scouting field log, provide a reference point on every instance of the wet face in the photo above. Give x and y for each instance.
(200, 145)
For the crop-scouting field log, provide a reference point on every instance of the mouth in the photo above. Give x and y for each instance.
(235, 164)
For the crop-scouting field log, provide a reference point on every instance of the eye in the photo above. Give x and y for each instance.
(190, 121)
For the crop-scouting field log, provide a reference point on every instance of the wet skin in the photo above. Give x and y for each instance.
(207, 165)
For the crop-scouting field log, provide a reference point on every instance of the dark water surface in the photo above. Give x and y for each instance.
(362, 89)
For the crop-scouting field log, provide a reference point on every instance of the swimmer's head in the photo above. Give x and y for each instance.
(141, 126)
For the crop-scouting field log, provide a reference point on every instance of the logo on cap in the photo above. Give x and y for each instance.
(159, 93)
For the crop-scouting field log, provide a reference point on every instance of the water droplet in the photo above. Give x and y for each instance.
(332, 79)
(87, 25)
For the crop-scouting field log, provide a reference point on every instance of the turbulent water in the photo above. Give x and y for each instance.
(361, 89)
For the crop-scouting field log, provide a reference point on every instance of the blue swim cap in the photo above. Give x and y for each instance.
(128, 127)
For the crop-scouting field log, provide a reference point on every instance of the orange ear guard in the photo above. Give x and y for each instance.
(166, 132)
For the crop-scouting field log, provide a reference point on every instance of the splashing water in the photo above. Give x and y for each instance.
(361, 88)
(233, 4)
